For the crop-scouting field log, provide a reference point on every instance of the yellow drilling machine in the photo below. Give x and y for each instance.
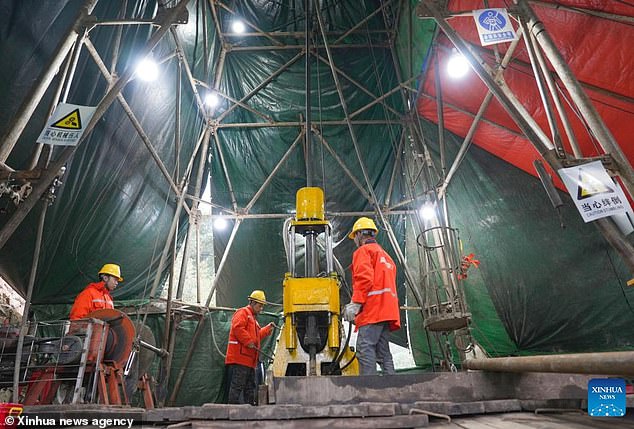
(312, 341)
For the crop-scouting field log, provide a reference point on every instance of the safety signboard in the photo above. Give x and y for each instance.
(494, 26)
(66, 126)
(595, 194)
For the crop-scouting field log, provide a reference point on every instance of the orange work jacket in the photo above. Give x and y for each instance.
(374, 286)
(95, 296)
(245, 329)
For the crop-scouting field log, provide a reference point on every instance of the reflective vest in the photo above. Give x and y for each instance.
(95, 296)
(245, 330)
(374, 286)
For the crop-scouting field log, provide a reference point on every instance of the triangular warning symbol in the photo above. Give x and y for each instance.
(590, 186)
(72, 121)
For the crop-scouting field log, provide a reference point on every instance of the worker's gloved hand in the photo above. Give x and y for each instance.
(271, 325)
(251, 346)
(350, 311)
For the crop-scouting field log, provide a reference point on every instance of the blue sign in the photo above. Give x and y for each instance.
(606, 397)
(493, 25)
(492, 20)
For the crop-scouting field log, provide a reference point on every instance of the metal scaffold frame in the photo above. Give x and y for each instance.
(409, 138)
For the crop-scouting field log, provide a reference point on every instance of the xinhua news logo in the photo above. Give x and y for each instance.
(606, 397)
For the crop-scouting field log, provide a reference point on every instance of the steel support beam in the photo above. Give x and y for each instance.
(608, 363)
(580, 98)
(53, 171)
(26, 109)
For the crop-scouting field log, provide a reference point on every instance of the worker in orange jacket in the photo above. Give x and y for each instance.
(96, 296)
(243, 348)
(374, 305)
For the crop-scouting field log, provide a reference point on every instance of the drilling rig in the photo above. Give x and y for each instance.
(312, 338)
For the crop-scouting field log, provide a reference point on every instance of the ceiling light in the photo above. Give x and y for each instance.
(212, 99)
(147, 70)
(220, 223)
(457, 66)
(238, 27)
(428, 211)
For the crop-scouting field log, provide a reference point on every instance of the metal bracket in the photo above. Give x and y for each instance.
(606, 160)
(423, 12)
(183, 18)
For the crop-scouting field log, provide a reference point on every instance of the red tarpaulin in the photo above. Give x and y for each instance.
(599, 50)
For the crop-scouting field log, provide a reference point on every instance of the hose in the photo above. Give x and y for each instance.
(335, 364)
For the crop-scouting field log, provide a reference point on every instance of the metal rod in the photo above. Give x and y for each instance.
(279, 164)
(158, 351)
(607, 363)
(49, 175)
(167, 361)
(539, 80)
(133, 119)
(343, 166)
(301, 123)
(225, 171)
(249, 24)
(397, 162)
(117, 40)
(363, 21)
(440, 117)
(27, 301)
(499, 89)
(183, 270)
(201, 321)
(169, 241)
(308, 24)
(552, 87)
(177, 119)
(198, 282)
(262, 84)
(217, 25)
(373, 198)
(205, 41)
(26, 109)
(266, 117)
(383, 97)
(357, 84)
(37, 152)
(466, 143)
(201, 150)
(181, 57)
(605, 15)
(316, 47)
(73, 64)
(581, 99)
(301, 34)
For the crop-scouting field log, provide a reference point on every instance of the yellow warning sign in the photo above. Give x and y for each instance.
(590, 186)
(72, 121)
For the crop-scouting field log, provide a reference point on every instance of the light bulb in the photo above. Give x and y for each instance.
(147, 70)
(457, 66)
(220, 223)
(238, 27)
(428, 211)
(212, 99)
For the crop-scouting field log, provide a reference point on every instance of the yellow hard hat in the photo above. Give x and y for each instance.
(361, 224)
(258, 296)
(113, 270)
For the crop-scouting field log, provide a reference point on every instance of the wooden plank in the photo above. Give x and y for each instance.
(597, 422)
(523, 421)
(473, 422)
(394, 422)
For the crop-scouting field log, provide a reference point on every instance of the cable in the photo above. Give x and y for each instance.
(213, 336)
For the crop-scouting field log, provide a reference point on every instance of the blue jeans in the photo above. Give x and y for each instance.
(373, 347)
